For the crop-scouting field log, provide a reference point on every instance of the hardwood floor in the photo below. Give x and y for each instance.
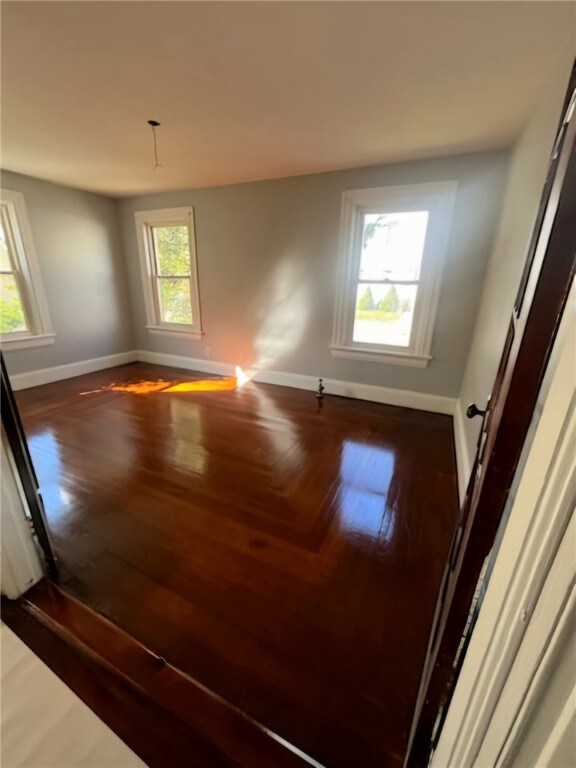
(166, 717)
(285, 556)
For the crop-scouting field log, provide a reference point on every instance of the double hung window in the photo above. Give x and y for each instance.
(393, 245)
(169, 271)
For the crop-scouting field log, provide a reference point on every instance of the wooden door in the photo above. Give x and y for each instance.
(542, 295)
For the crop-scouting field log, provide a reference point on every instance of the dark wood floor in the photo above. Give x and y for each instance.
(285, 556)
(165, 716)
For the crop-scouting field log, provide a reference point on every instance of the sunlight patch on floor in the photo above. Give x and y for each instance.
(225, 384)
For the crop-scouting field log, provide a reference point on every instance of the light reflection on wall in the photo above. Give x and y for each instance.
(186, 419)
(283, 315)
(366, 472)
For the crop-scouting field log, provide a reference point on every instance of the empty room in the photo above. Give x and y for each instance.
(285, 323)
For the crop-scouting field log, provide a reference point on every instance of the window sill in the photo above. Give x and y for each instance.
(178, 333)
(385, 357)
(22, 342)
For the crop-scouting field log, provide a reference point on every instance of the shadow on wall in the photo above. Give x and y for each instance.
(283, 314)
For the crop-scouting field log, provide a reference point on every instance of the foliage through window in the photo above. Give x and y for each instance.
(12, 316)
(393, 243)
(168, 259)
(24, 317)
(390, 260)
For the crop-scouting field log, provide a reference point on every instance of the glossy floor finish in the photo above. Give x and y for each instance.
(165, 716)
(285, 556)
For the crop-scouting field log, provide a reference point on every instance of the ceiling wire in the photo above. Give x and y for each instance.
(155, 124)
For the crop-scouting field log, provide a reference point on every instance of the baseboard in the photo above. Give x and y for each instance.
(403, 398)
(59, 372)
(463, 458)
(418, 400)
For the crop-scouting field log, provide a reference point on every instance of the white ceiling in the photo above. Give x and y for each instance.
(261, 90)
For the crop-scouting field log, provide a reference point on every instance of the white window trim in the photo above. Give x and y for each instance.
(438, 198)
(34, 298)
(167, 217)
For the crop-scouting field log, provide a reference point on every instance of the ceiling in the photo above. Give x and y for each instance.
(259, 90)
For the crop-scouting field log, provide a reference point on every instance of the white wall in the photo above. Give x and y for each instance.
(526, 179)
(77, 240)
(268, 259)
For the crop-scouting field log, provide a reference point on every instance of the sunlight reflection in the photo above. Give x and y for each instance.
(281, 433)
(205, 385)
(65, 496)
(241, 377)
(45, 452)
(222, 384)
(189, 453)
(366, 473)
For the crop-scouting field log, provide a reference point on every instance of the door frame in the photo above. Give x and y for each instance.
(24, 468)
(521, 627)
(21, 559)
(538, 310)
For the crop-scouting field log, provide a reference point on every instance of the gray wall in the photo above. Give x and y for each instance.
(267, 254)
(77, 240)
(528, 167)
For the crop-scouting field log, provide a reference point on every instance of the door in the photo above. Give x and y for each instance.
(542, 295)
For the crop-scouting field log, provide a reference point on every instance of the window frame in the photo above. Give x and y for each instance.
(438, 198)
(145, 222)
(26, 271)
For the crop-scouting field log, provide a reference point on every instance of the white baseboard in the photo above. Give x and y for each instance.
(463, 458)
(419, 400)
(59, 372)
(403, 398)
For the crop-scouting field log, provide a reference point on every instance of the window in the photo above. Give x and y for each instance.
(169, 271)
(393, 242)
(24, 318)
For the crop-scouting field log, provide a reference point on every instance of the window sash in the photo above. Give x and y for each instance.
(9, 221)
(158, 279)
(356, 258)
(437, 198)
(383, 346)
(155, 255)
(146, 223)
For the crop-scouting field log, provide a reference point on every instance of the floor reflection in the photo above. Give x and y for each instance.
(366, 473)
(46, 452)
(281, 433)
(188, 451)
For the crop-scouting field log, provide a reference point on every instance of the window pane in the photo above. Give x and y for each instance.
(5, 265)
(172, 250)
(175, 304)
(392, 245)
(12, 317)
(384, 314)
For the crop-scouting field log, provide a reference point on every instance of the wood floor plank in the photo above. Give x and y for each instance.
(159, 738)
(286, 556)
